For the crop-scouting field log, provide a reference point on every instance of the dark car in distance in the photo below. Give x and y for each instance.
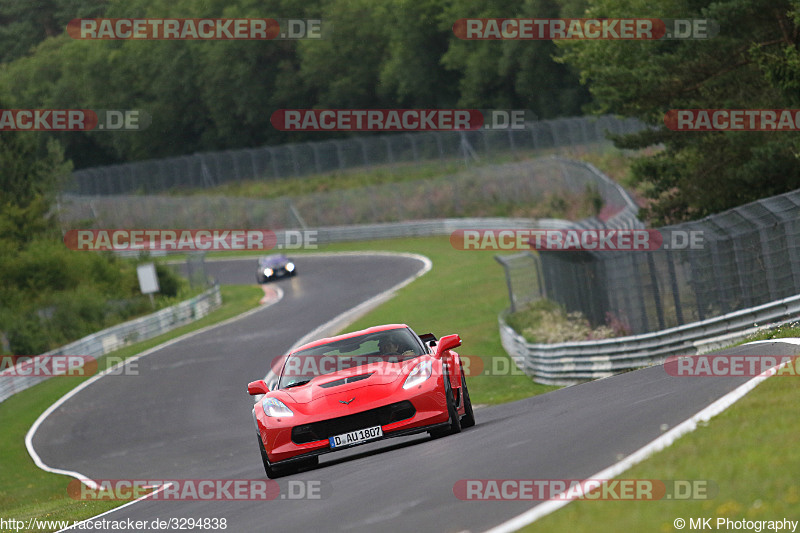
(274, 266)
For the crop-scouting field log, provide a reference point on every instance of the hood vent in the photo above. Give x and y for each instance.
(343, 381)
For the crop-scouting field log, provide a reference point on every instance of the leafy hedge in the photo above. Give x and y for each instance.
(51, 295)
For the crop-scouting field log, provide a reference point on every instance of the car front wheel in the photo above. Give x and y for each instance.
(468, 420)
(272, 473)
(455, 420)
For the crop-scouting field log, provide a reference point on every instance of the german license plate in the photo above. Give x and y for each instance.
(355, 437)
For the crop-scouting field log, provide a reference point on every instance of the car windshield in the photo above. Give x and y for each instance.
(391, 346)
(273, 259)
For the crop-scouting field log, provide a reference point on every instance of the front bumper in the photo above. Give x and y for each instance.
(276, 273)
(305, 437)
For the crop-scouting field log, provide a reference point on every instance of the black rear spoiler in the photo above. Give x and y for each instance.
(428, 338)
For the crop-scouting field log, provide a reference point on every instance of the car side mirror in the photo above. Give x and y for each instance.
(448, 342)
(429, 339)
(257, 387)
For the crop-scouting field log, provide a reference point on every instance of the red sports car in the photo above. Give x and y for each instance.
(359, 387)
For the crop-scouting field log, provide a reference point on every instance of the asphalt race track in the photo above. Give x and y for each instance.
(187, 416)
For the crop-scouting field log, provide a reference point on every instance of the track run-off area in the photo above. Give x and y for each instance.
(187, 416)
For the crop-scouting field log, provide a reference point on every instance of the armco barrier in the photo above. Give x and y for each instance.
(110, 339)
(676, 301)
(744, 257)
(427, 228)
(574, 362)
(569, 363)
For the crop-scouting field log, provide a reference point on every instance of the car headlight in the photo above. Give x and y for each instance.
(420, 373)
(289, 267)
(267, 271)
(276, 408)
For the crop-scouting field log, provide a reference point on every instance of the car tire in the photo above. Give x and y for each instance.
(468, 420)
(455, 419)
(307, 463)
(274, 472)
(271, 471)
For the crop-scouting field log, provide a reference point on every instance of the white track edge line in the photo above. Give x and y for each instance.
(377, 299)
(341, 320)
(427, 265)
(656, 445)
(137, 500)
(35, 426)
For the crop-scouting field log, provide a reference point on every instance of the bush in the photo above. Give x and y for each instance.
(75, 314)
(544, 321)
(50, 296)
(26, 335)
(169, 283)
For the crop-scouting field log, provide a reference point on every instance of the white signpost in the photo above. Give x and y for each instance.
(148, 280)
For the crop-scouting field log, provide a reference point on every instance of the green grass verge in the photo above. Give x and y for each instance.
(749, 452)
(332, 181)
(463, 293)
(28, 492)
(604, 153)
(790, 329)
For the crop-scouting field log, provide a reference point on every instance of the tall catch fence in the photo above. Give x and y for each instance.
(211, 169)
(739, 259)
(513, 189)
(714, 279)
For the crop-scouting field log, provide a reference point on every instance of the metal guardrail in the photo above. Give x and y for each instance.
(745, 257)
(115, 337)
(750, 262)
(425, 228)
(574, 362)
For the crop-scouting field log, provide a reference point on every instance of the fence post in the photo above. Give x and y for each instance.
(673, 282)
(651, 264)
(637, 281)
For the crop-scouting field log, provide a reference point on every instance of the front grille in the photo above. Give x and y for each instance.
(374, 417)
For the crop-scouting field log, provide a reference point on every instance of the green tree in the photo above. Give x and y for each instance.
(516, 74)
(752, 64)
(30, 178)
(219, 95)
(23, 25)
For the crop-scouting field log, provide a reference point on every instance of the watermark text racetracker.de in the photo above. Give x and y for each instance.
(538, 29)
(197, 490)
(584, 489)
(47, 366)
(198, 29)
(74, 120)
(62, 365)
(729, 524)
(185, 240)
(733, 119)
(400, 119)
(489, 365)
(576, 239)
(473, 365)
(726, 365)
